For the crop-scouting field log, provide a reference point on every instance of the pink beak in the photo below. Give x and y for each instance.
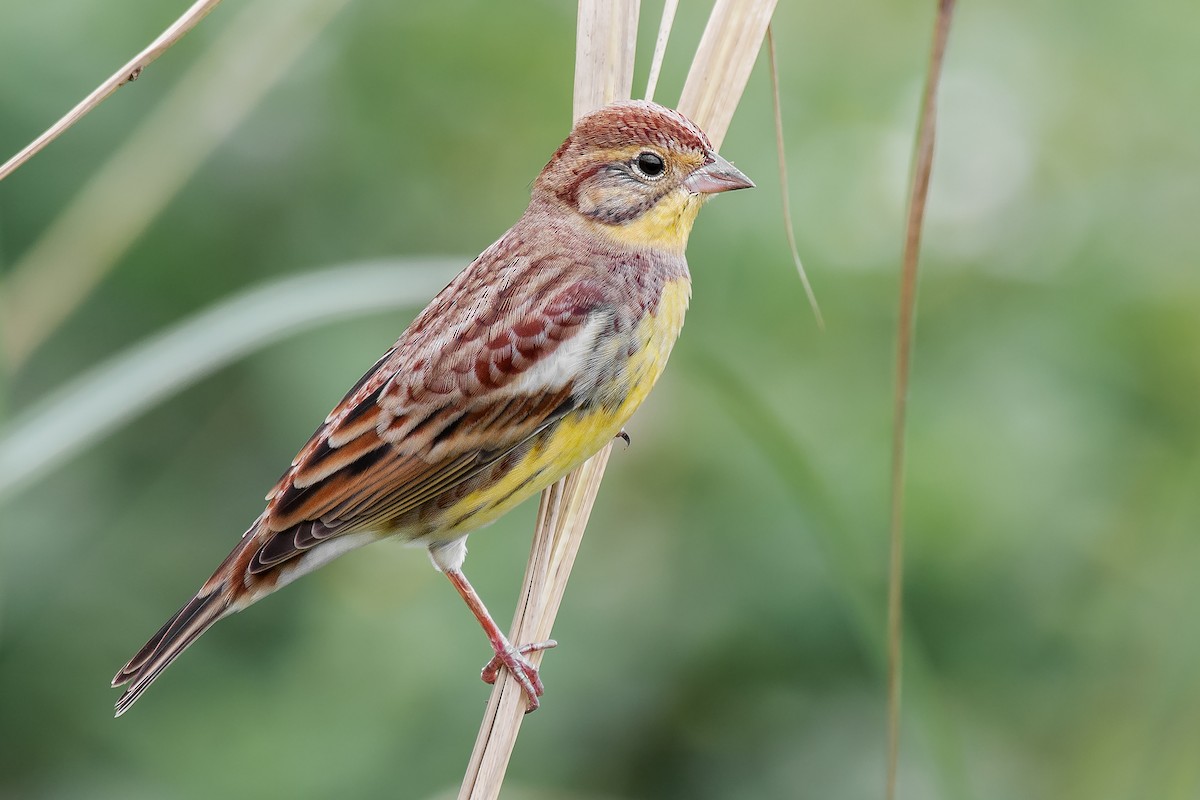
(717, 176)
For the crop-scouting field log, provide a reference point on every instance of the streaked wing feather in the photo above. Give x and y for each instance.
(431, 414)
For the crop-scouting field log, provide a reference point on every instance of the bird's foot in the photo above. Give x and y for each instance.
(623, 435)
(513, 659)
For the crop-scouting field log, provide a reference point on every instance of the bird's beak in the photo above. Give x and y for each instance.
(717, 176)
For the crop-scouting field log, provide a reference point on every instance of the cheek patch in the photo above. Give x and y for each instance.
(614, 198)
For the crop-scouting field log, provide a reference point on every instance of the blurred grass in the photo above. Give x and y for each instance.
(122, 388)
(114, 208)
(708, 646)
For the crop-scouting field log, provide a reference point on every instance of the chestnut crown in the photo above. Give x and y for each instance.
(622, 161)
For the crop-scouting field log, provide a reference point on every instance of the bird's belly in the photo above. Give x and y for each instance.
(573, 439)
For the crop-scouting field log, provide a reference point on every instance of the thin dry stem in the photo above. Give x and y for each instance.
(130, 72)
(108, 214)
(785, 195)
(722, 66)
(660, 45)
(922, 168)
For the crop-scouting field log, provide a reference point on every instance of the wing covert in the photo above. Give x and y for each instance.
(445, 402)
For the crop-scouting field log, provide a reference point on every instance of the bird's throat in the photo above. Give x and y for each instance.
(664, 227)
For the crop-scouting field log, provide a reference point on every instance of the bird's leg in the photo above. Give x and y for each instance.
(623, 435)
(507, 656)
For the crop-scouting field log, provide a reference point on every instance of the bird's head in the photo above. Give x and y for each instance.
(638, 172)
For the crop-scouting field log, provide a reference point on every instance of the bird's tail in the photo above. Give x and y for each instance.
(200, 613)
(245, 576)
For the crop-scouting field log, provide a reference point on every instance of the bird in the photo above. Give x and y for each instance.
(523, 367)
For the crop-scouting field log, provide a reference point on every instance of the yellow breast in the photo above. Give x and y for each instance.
(582, 433)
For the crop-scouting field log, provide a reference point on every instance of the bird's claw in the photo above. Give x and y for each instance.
(513, 659)
(623, 435)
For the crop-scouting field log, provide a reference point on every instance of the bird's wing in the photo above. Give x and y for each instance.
(475, 376)
(496, 357)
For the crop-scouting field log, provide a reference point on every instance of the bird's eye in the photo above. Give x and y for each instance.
(650, 165)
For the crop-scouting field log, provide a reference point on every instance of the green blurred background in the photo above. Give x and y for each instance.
(722, 635)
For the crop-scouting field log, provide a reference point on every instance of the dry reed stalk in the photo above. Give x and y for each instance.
(604, 72)
(561, 520)
(906, 323)
(605, 43)
(129, 72)
(722, 64)
(606, 38)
